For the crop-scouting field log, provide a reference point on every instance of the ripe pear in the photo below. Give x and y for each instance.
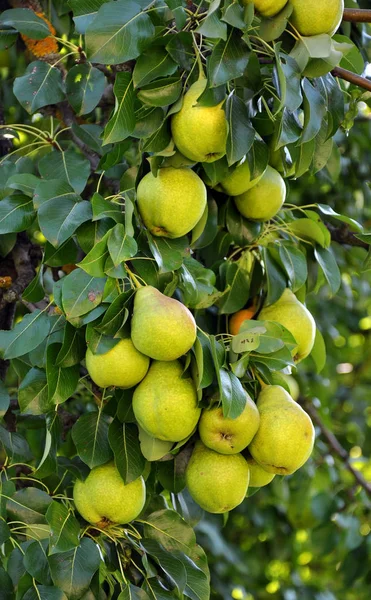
(123, 366)
(229, 436)
(239, 180)
(200, 132)
(161, 327)
(258, 477)
(264, 200)
(267, 8)
(218, 483)
(236, 320)
(104, 498)
(165, 402)
(172, 203)
(311, 17)
(293, 315)
(285, 437)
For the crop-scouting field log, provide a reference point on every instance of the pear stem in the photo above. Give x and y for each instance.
(132, 277)
(201, 74)
(262, 383)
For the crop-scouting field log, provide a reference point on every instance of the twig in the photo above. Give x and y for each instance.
(70, 119)
(361, 82)
(335, 445)
(24, 268)
(357, 15)
(345, 237)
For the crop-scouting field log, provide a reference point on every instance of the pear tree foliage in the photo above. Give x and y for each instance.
(110, 185)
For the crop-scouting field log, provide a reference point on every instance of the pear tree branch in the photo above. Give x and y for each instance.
(357, 15)
(342, 235)
(346, 75)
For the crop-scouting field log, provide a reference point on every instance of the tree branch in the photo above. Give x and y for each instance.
(361, 82)
(335, 445)
(342, 235)
(357, 15)
(70, 119)
(25, 270)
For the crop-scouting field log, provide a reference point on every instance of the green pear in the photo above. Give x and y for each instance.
(292, 385)
(263, 201)
(200, 132)
(103, 498)
(267, 8)
(161, 327)
(165, 402)
(123, 366)
(172, 203)
(293, 315)
(311, 17)
(229, 436)
(239, 180)
(258, 477)
(285, 437)
(217, 482)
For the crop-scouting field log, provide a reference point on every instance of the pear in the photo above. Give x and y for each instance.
(103, 498)
(236, 320)
(285, 437)
(264, 200)
(200, 132)
(293, 386)
(293, 315)
(218, 483)
(161, 327)
(229, 436)
(239, 180)
(258, 477)
(172, 203)
(311, 17)
(165, 402)
(267, 8)
(122, 366)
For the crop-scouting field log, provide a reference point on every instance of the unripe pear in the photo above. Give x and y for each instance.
(239, 180)
(229, 436)
(263, 201)
(311, 17)
(293, 315)
(103, 498)
(285, 437)
(267, 8)
(258, 477)
(217, 482)
(165, 402)
(172, 203)
(123, 366)
(200, 132)
(161, 327)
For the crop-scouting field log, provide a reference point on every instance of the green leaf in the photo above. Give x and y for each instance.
(62, 381)
(237, 284)
(64, 528)
(121, 246)
(84, 87)
(16, 213)
(27, 334)
(116, 315)
(90, 436)
(327, 210)
(41, 84)
(72, 571)
(84, 12)
(15, 445)
(273, 27)
(198, 587)
(81, 293)
(44, 592)
(295, 265)
(103, 208)
(169, 529)
(4, 399)
(228, 60)
(212, 26)
(170, 564)
(25, 21)
(329, 267)
(151, 65)
(58, 221)
(152, 448)
(36, 562)
(319, 352)
(6, 585)
(73, 347)
(33, 393)
(161, 92)
(119, 32)
(314, 110)
(276, 281)
(28, 505)
(308, 230)
(241, 134)
(34, 292)
(123, 439)
(5, 533)
(53, 188)
(168, 254)
(93, 263)
(132, 592)
(68, 166)
(122, 121)
(24, 182)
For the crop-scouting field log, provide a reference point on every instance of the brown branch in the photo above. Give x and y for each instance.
(361, 82)
(25, 270)
(342, 235)
(69, 119)
(335, 445)
(357, 15)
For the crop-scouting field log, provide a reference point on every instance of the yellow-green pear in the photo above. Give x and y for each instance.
(311, 17)
(263, 201)
(104, 499)
(161, 327)
(239, 180)
(165, 402)
(293, 315)
(293, 386)
(172, 203)
(267, 8)
(217, 482)
(285, 437)
(229, 436)
(258, 477)
(200, 132)
(122, 366)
